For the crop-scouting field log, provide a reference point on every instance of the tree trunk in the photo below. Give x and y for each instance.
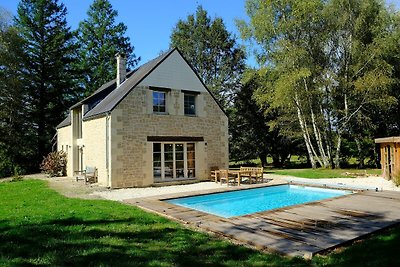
(317, 134)
(337, 156)
(318, 138)
(263, 159)
(360, 154)
(306, 138)
(276, 161)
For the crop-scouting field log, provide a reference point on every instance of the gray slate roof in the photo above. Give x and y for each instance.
(65, 122)
(116, 95)
(119, 93)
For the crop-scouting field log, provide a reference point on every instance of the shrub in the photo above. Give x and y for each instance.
(55, 164)
(396, 178)
(17, 175)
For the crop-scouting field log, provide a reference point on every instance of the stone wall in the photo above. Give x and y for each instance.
(132, 121)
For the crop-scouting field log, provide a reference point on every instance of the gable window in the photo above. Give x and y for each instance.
(189, 104)
(159, 102)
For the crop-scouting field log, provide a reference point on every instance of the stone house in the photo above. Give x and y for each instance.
(157, 123)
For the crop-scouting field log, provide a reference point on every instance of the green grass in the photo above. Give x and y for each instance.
(324, 173)
(40, 227)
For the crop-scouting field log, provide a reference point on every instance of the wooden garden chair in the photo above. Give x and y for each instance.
(89, 175)
(252, 173)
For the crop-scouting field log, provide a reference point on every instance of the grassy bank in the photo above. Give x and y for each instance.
(326, 173)
(40, 227)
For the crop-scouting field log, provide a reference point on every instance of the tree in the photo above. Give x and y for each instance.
(212, 51)
(330, 56)
(249, 131)
(48, 79)
(255, 128)
(100, 38)
(14, 140)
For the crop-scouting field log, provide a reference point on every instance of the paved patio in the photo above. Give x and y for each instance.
(301, 230)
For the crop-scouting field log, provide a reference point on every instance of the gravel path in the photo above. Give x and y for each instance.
(121, 194)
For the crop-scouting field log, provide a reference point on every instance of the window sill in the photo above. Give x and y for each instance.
(160, 113)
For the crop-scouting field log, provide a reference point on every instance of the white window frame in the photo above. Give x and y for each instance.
(185, 161)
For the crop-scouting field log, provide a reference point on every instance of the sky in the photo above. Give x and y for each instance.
(150, 22)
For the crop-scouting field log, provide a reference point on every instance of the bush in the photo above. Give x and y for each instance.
(396, 178)
(55, 164)
(17, 175)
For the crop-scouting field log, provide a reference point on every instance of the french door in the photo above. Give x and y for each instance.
(173, 161)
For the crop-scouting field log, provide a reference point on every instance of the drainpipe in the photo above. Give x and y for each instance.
(108, 150)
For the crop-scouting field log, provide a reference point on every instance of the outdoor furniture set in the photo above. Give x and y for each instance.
(238, 176)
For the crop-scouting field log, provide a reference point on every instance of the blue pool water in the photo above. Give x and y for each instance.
(242, 202)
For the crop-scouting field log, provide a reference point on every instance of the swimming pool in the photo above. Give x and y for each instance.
(242, 202)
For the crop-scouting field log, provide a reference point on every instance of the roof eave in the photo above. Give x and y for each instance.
(63, 126)
(391, 139)
(96, 116)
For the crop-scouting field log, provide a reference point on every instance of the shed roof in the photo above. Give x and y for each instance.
(391, 139)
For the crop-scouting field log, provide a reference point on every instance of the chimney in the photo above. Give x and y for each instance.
(121, 68)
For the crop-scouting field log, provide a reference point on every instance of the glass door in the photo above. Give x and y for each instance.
(179, 161)
(169, 161)
(190, 160)
(173, 161)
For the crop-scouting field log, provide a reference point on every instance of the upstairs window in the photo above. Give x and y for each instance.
(159, 102)
(190, 104)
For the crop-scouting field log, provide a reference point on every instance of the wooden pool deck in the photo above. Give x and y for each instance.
(300, 230)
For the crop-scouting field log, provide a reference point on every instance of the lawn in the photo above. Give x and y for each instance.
(325, 173)
(40, 227)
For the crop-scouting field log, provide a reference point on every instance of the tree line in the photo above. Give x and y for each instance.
(332, 69)
(45, 67)
(326, 84)
(326, 81)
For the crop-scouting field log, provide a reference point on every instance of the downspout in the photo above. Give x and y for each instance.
(108, 150)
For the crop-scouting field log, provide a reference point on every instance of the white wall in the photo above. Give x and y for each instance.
(94, 151)
(64, 143)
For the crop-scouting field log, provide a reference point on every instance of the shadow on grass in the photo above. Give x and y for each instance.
(379, 250)
(73, 241)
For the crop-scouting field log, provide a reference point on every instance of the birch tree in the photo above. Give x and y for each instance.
(330, 56)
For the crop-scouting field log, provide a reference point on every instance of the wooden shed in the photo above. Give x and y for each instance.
(390, 156)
